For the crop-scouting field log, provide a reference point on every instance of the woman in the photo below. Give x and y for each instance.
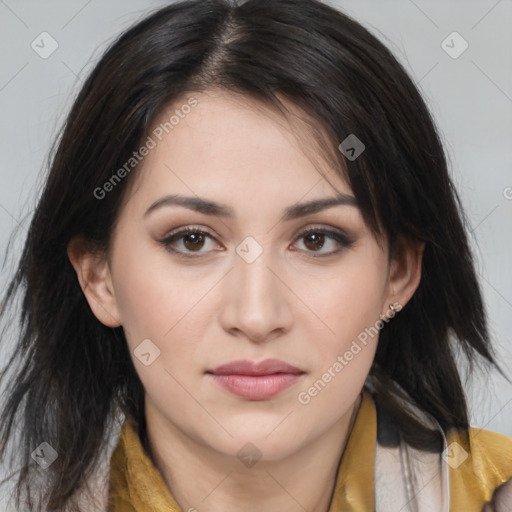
(249, 252)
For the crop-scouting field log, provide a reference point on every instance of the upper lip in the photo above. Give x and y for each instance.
(247, 367)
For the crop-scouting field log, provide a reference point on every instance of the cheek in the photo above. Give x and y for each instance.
(349, 300)
(350, 306)
(154, 296)
(171, 305)
(159, 303)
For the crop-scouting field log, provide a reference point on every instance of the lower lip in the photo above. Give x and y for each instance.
(257, 387)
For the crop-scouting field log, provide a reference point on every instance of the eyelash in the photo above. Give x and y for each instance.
(342, 239)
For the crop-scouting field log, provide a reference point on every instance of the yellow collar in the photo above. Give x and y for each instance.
(137, 486)
(355, 480)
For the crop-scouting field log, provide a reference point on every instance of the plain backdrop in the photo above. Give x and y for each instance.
(470, 96)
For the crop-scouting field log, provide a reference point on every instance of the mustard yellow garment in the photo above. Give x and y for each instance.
(137, 486)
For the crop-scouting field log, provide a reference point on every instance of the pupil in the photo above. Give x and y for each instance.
(319, 241)
(193, 245)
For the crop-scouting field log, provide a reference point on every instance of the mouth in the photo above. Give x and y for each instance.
(256, 381)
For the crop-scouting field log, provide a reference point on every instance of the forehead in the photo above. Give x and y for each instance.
(234, 147)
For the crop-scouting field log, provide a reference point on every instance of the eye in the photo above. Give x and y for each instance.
(316, 238)
(191, 240)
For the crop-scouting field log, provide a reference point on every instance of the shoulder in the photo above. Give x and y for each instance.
(491, 453)
(492, 446)
(480, 461)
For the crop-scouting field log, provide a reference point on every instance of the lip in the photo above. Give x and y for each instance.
(247, 367)
(256, 381)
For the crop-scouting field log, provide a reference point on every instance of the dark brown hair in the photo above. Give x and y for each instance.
(70, 374)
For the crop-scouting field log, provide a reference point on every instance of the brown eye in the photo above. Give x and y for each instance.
(187, 241)
(193, 241)
(315, 239)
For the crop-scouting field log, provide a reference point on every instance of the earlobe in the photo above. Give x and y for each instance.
(94, 277)
(405, 271)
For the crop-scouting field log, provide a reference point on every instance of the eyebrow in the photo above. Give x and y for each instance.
(209, 207)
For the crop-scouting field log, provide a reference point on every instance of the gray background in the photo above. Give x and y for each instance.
(470, 96)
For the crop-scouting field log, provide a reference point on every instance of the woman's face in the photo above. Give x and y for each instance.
(246, 284)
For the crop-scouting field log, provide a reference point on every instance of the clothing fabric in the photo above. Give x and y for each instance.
(467, 473)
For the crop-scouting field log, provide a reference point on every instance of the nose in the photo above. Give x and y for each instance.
(258, 299)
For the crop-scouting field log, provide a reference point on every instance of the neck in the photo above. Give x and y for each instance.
(201, 478)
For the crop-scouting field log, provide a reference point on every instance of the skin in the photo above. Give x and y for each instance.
(207, 311)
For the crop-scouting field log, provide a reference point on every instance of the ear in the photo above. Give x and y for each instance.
(404, 272)
(93, 272)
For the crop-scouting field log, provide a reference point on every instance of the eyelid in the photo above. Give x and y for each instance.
(324, 228)
(188, 228)
(197, 228)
